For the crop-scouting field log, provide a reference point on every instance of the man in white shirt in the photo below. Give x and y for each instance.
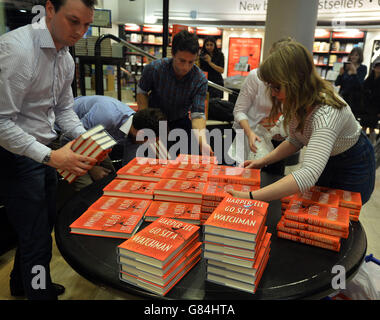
(36, 72)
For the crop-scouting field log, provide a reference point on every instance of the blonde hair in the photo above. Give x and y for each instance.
(291, 67)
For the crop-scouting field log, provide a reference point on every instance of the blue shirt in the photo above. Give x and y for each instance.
(174, 97)
(107, 111)
(35, 91)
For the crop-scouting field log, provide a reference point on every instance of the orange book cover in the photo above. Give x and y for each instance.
(331, 240)
(347, 199)
(321, 215)
(237, 218)
(234, 175)
(315, 197)
(161, 290)
(107, 224)
(186, 212)
(142, 169)
(315, 243)
(196, 159)
(216, 191)
(309, 227)
(203, 167)
(120, 205)
(185, 175)
(130, 189)
(207, 209)
(180, 188)
(158, 243)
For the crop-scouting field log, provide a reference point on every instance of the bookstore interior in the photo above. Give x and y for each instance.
(172, 219)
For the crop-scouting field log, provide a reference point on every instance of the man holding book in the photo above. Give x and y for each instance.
(178, 87)
(36, 72)
(121, 122)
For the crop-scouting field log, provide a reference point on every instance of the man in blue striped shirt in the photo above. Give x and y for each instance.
(177, 86)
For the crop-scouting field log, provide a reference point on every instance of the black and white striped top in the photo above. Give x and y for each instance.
(328, 132)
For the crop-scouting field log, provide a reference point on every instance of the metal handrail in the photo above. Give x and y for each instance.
(99, 89)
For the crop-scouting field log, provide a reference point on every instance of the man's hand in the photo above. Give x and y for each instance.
(66, 159)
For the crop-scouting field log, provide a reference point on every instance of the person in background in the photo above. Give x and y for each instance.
(212, 61)
(121, 122)
(338, 153)
(350, 79)
(36, 72)
(252, 106)
(178, 87)
(371, 101)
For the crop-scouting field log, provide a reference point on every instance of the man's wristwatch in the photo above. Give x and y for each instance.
(46, 159)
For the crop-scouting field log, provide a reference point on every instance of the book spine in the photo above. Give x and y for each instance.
(334, 241)
(295, 238)
(312, 228)
(313, 221)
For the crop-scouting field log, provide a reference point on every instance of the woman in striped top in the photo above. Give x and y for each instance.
(338, 153)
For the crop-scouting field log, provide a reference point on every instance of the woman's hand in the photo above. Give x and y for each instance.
(239, 194)
(253, 164)
(252, 137)
(207, 58)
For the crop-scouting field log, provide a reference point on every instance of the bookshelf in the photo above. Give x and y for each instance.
(334, 46)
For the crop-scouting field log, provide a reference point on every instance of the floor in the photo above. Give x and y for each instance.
(78, 288)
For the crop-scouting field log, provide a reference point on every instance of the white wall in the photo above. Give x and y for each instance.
(371, 36)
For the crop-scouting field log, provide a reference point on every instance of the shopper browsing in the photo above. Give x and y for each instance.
(350, 79)
(337, 155)
(371, 101)
(212, 61)
(36, 75)
(177, 86)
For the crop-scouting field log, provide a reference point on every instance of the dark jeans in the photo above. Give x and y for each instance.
(353, 170)
(28, 189)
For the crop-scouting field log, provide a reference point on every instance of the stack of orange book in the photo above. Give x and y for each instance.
(130, 189)
(315, 224)
(234, 175)
(186, 212)
(95, 143)
(145, 169)
(347, 199)
(158, 256)
(179, 191)
(215, 192)
(196, 159)
(111, 217)
(236, 243)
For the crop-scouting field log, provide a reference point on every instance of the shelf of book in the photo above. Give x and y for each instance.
(334, 46)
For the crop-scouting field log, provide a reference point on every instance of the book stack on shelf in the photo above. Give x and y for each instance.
(186, 212)
(95, 143)
(315, 218)
(111, 217)
(237, 244)
(158, 256)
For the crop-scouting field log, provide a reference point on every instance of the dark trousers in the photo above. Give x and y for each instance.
(28, 189)
(353, 170)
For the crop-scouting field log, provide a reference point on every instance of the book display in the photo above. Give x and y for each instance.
(332, 48)
(95, 143)
(236, 243)
(171, 247)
